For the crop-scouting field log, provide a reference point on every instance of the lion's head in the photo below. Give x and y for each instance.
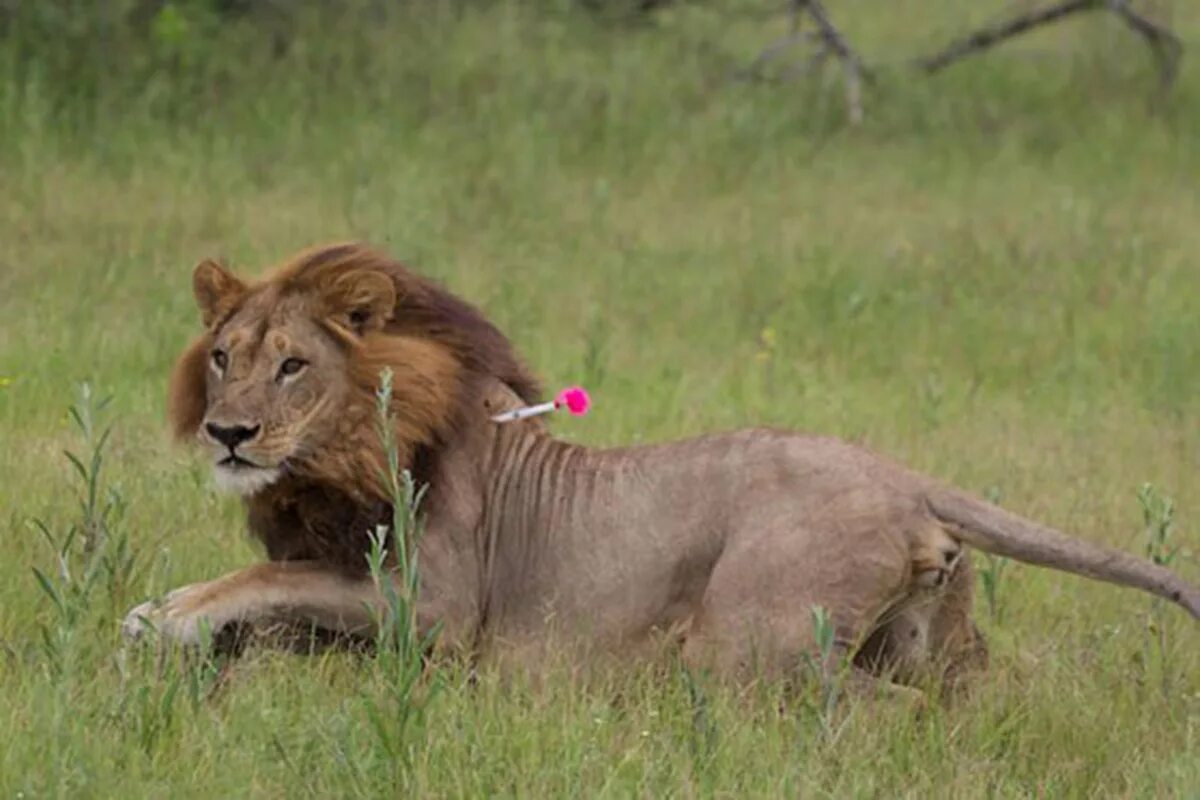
(282, 382)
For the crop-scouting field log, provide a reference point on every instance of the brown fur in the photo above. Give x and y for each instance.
(727, 541)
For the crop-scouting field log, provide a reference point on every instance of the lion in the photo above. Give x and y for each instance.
(727, 542)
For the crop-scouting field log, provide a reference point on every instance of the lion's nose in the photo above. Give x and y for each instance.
(231, 435)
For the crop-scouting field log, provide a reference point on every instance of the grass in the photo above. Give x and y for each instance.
(994, 279)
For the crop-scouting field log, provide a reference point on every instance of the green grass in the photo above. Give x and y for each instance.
(994, 279)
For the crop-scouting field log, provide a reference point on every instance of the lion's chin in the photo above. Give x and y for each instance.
(244, 479)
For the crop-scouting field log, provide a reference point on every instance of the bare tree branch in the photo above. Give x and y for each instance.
(827, 40)
(851, 63)
(1166, 45)
(777, 49)
(994, 34)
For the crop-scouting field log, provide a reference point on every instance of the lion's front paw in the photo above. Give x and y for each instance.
(176, 618)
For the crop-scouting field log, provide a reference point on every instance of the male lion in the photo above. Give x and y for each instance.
(727, 540)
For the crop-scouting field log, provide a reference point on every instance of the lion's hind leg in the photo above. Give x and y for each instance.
(757, 616)
(956, 643)
(929, 636)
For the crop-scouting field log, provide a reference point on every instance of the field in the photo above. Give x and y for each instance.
(995, 278)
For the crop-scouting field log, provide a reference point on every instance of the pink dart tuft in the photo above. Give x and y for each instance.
(575, 398)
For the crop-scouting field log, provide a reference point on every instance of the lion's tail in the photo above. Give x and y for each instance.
(994, 530)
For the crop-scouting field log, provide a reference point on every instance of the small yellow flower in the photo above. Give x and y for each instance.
(5, 381)
(767, 337)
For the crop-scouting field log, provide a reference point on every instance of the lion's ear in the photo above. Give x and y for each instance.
(360, 299)
(217, 291)
(187, 398)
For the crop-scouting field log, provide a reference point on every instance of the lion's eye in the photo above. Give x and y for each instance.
(219, 359)
(291, 366)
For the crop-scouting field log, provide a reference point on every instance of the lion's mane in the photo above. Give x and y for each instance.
(439, 349)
